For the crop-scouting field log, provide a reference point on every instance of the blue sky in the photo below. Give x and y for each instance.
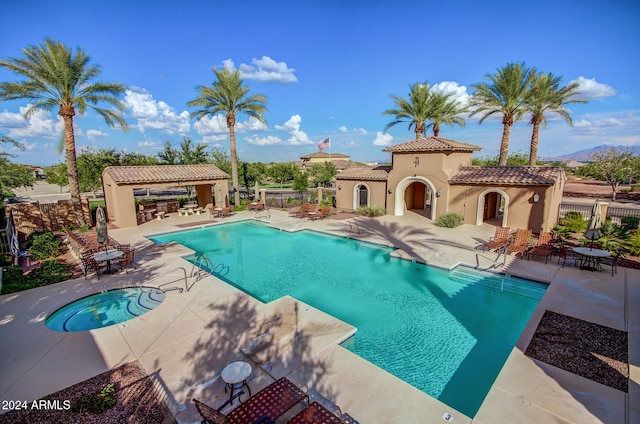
(327, 69)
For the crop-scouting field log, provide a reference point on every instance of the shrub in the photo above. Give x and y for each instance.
(574, 222)
(635, 187)
(560, 233)
(630, 222)
(6, 260)
(449, 220)
(98, 402)
(633, 243)
(49, 272)
(371, 211)
(43, 245)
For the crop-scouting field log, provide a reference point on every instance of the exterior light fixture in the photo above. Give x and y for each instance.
(416, 161)
(339, 186)
(438, 192)
(536, 198)
(390, 190)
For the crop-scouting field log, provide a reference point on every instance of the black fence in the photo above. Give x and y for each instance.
(614, 213)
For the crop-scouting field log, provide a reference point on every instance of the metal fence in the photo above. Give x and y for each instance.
(614, 213)
(584, 210)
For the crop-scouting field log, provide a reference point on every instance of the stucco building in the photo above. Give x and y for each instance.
(434, 176)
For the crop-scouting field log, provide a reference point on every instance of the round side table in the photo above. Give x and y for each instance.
(235, 376)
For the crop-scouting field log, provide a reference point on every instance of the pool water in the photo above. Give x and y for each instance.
(448, 334)
(104, 309)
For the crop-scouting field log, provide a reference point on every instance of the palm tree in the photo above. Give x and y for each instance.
(446, 111)
(229, 96)
(505, 93)
(416, 110)
(55, 77)
(547, 96)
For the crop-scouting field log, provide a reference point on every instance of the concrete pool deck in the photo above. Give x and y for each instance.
(190, 337)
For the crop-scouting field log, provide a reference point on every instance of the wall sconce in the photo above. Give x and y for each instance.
(390, 190)
(438, 193)
(416, 161)
(536, 198)
(339, 186)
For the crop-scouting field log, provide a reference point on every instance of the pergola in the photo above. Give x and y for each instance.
(119, 182)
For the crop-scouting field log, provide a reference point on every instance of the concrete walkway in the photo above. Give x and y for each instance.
(191, 336)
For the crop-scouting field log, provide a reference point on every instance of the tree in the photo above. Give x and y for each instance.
(229, 96)
(221, 159)
(169, 156)
(136, 159)
(55, 77)
(284, 171)
(301, 183)
(612, 166)
(546, 96)
(416, 110)
(251, 173)
(91, 163)
(192, 154)
(505, 93)
(12, 175)
(446, 110)
(323, 173)
(58, 175)
(514, 159)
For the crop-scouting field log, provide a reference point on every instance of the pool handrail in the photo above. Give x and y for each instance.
(186, 284)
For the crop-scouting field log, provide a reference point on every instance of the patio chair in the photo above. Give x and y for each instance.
(266, 405)
(315, 413)
(499, 240)
(320, 215)
(521, 242)
(303, 210)
(256, 206)
(89, 264)
(225, 212)
(313, 208)
(128, 258)
(567, 254)
(544, 246)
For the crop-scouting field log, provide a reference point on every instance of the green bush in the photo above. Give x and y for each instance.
(371, 211)
(574, 222)
(630, 222)
(633, 243)
(561, 233)
(49, 272)
(450, 220)
(43, 244)
(6, 260)
(98, 402)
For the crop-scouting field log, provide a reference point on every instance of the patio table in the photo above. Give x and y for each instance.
(108, 257)
(590, 258)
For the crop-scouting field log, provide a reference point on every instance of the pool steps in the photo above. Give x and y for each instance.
(500, 282)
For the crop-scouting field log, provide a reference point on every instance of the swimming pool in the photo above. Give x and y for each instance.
(446, 333)
(104, 309)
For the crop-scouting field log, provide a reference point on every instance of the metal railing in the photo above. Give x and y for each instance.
(184, 277)
(202, 263)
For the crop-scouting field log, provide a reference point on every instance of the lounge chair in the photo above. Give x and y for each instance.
(544, 246)
(315, 413)
(266, 405)
(303, 210)
(313, 208)
(499, 240)
(259, 206)
(521, 242)
(225, 212)
(319, 215)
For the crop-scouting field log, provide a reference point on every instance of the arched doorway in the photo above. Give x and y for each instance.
(493, 207)
(361, 196)
(416, 193)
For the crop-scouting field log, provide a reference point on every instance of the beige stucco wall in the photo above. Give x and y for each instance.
(346, 192)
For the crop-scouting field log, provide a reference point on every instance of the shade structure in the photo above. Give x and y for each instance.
(593, 229)
(101, 226)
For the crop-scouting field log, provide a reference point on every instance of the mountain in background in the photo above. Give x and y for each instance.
(585, 155)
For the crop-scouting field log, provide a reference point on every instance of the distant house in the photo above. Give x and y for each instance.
(573, 164)
(434, 176)
(338, 159)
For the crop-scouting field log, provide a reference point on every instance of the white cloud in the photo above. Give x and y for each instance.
(151, 144)
(360, 130)
(265, 69)
(211, 125)
(251, 125)
(153, 114)
(269, 140)
(591, 89)
(459, 92)
(94, 134)
(39, 125)
(382, 139)
(214, 139)
(343, 129)
(292, 126)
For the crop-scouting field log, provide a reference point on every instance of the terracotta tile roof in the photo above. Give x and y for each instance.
(508, 175)
(376, 173)
(323, 155)
(430, 144)
(164, 173)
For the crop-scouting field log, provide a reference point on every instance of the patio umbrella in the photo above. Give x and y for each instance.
(593, 229)
(257, 192)
(12, 238)
(101, 227)
(220, 201)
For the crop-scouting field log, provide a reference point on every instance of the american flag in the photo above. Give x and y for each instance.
(324, 144)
